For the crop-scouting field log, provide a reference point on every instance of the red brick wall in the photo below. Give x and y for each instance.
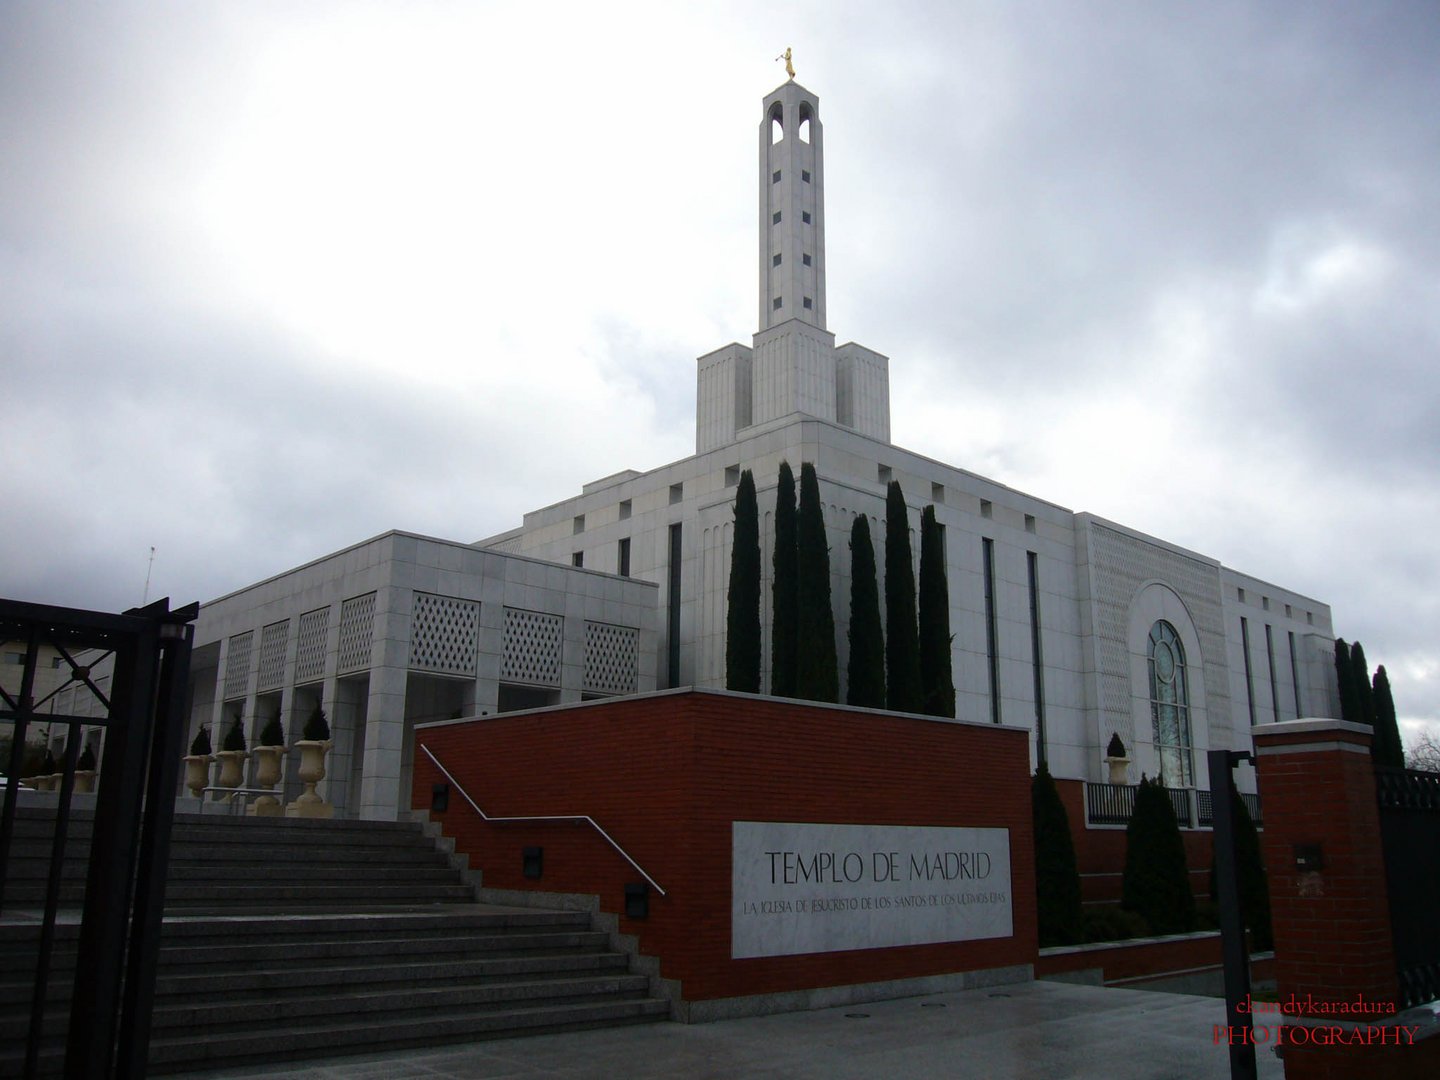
(667, 775)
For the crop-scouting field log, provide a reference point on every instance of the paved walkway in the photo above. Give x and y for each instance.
(1028, 1030)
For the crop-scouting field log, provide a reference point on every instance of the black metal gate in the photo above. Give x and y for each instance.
(1410, 832)
(146, 653)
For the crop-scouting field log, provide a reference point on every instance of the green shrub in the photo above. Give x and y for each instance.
(1157, 882)
(87, 760)
(316, 728)
(866, 670)
(234, 737)
(784, 581)
(273, 733)
(1250, 870)
(742, 605)
(817, 672)
(200, 745)
(1057, 879)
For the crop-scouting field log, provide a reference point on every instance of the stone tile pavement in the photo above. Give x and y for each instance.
(1022, 1031)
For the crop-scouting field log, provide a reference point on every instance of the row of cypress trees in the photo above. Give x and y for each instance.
(905, 667)
(1366, 700)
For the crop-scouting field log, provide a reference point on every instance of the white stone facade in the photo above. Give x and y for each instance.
(402, 629)
(1053, 613)
(1055, 636)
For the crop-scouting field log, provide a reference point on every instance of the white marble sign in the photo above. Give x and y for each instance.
(811, 888)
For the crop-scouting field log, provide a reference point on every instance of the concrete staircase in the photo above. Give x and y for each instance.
(288, 939)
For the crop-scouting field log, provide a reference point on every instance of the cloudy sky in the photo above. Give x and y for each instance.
(275, 278)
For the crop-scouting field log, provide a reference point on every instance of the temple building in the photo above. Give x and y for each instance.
(1070, 625)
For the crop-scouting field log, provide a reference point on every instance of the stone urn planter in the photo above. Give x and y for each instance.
(197, 772)
(85, 772)
(1117, 759)
(232, 768)
(268, 763)
(312, 771)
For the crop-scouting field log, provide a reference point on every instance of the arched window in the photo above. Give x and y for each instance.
(804, 121)
(1170, 706)
(777, 126)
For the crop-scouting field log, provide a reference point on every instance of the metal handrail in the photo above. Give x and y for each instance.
(547, 817)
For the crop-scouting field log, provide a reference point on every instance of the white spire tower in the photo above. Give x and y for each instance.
(792, 209)
(794, 366)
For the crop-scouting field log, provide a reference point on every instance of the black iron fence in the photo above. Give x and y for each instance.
(1410, 834)
(1112, 804)
(114, 949)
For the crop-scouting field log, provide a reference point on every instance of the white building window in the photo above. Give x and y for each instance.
(1170, 706)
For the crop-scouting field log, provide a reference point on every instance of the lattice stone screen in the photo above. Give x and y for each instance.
(237, 664)
(444, 634)
(611, 658)
(357, 631)
(273, 640)
(310, 654)
(532, 647)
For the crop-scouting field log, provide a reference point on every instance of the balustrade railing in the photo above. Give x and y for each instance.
(1112, 804)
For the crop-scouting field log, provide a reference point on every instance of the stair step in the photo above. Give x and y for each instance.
(308, 1041)
(367, 948)
(286, 939)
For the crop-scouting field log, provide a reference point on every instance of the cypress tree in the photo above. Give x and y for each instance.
(1385, 748)
(1345, 681)
(783, 624)
(1156, 885)
(935, 677)
(817, 673)
(1250, 875)
(902, 642)
(866, 671)
(742, 616)
(1360, 683)
(1057, 878)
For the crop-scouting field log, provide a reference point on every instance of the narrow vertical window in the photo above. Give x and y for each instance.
(1295, 677)
(1249, 676)
(672, 649)
(578, 559)
(1037, 657)
(988, 550)
(622, 559)
(1270, 656)
(1170, 705)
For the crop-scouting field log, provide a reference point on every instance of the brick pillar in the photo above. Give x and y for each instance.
(1329, 905)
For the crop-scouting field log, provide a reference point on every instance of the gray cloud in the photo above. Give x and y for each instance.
(1227, 211)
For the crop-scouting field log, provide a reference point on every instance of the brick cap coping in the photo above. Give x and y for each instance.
(713, 691)
(1318, 726)
(1126, 943)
